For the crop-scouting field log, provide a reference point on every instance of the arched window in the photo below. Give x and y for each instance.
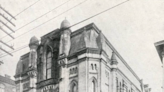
(74, 87)
(93, 86)
(92, 66)
(70, 71)
(2, 88)
(95, 67)
(73, 71)
(48, 64)
(40, 54)
(76, 70)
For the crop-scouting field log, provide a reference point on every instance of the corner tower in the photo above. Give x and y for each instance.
(32, 67)
(64, 48)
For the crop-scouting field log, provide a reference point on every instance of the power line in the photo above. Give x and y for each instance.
(7, 45)
(24, 9)
(79, 22)
(27, 8)
(38, 17)
(13, 17)
(7, 12)
(6, 32)
(5, 51)
(7, 26)
(7, 19)
(99, 13)
(49, 20)
(44, 23)
(20, 48)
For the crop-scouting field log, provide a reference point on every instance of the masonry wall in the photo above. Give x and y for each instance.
(82, 74)
(128, 74)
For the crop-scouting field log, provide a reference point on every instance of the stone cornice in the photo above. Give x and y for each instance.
(120, 72)
(120, 57)
(92, 25)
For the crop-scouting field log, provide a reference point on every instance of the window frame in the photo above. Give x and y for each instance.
(48, 61)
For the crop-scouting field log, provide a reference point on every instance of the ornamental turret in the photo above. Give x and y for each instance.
(65, 45)
(114, 60)
(65, 42)
(32, 68)
(34, 43)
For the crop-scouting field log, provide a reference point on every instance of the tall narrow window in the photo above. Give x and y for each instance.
(93, 86)
(74, 88)
(95, 67)
(117, 85)
(49, 64)
(92, 66)
(120, 86)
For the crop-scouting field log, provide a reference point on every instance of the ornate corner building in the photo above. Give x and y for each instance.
(79, 61)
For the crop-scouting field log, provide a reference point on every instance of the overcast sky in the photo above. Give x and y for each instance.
(132, 28)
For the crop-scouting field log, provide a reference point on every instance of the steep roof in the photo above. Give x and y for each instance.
(85, 37)
(22, 65)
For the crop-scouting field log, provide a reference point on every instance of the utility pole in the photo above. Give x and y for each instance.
(3, 14)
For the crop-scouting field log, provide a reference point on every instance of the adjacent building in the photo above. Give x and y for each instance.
(79, 61)
(7, 84)
(160, 50)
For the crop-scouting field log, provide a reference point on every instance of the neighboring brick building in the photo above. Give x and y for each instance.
(79, 61)
(7, 84)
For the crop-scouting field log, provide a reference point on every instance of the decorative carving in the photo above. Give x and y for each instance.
(73, 71)
(51, 88)
(32, 73)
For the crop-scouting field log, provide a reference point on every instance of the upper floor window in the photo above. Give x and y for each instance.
(92, 66)
(93, 86)
(74, 87)
(49, 64)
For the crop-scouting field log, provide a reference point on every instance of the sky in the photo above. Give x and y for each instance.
(132, 28)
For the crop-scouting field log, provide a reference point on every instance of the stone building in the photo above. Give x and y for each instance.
(7, 84)
(160, 50)
(79, 61)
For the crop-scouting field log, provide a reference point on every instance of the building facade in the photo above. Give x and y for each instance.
(79, 61)
(160, 50)
(7, 84)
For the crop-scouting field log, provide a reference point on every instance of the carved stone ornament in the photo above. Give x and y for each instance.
(50, 88)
